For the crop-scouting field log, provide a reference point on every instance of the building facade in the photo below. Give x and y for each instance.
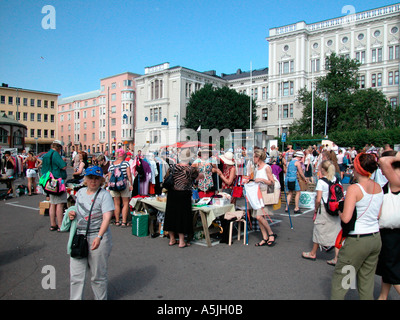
(95, 120)
(163, 93)
(297, 54)
(37, 110)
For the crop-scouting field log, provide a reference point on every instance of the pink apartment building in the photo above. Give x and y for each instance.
(94, 120)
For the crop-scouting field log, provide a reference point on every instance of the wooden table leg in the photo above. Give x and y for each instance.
(205, 228)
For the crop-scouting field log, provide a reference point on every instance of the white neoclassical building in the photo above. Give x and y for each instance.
(297, 54)
(162, 95)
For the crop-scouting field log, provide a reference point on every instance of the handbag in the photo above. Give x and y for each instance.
(169, 179)
(80, 246)
(237, 191)
(272, 194)
(390, 216)
(50, 184)
(54, 186)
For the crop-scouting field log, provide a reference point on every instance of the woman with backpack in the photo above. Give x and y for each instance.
(120, 185)
(360, 251)
(326, 226)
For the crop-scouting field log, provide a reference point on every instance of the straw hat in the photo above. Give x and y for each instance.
(227, 158)
(185, 155)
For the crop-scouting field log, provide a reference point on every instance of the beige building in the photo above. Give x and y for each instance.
(37, 110)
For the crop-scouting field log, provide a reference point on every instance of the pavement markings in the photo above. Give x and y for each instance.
(21, 206)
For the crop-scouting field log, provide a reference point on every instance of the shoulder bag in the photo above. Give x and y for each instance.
(169, 180)
(80, 246)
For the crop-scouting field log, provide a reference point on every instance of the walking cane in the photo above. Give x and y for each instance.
(284, 190)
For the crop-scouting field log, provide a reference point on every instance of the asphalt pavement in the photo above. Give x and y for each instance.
(34, 264)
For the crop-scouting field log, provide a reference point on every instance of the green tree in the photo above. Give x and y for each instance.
(219, 108)
(349, 107)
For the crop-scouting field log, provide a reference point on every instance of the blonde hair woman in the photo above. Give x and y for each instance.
(264, 176)
(326, 226)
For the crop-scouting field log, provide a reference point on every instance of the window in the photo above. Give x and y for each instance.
(379, 79)
(39, 103)
(127, 83)
(32, 102)
(377, 55)
(46, 104)
(286, 111)
(45, 117)
(52, 118)
(25, 102)
(286, 67)
(360, 36)
(32, 133)
(32, 117)
(264, 93)
(393, 102)
(155, 136)
(265, 114)
(52, 133)
(373, 80)
(394, 52)
(156, 87)
(288, 88)
(25, 116)
(3, 99)
(10, 100)
(113, 97)
(362, 81)
(360, 56)
(315, 65)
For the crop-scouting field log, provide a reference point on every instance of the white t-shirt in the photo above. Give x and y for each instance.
(324, 187)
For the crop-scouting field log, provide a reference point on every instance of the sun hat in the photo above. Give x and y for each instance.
(227, 158)
(94, 171)
(185, 155)
(57, 142)
(299, 154)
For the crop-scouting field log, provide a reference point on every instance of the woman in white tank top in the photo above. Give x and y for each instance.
(360, 251)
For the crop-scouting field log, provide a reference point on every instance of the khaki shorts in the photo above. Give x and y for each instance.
(123, 194)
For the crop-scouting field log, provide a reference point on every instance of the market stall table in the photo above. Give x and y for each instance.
(207, 213)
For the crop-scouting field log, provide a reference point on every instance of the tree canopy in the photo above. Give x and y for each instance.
(219, 108)
(349, 107)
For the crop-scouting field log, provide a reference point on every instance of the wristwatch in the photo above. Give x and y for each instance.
(99, 236)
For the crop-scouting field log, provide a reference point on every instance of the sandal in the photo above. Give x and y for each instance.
(117, 223)
(261, 244)
(54, 228)
(331, 262)
(306, 255)
(269, 242)
(124, 225)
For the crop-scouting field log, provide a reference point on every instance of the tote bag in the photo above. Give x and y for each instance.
(390, 216)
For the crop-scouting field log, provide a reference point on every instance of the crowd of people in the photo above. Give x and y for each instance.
(373, 174)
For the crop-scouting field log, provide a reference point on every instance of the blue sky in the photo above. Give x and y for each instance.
(97, 39)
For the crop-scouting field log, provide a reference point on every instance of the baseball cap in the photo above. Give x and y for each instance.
(94, 171)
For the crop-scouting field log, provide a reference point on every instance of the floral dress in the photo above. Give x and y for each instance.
(205, 167)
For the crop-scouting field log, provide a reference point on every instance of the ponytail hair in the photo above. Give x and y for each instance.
(328, 166)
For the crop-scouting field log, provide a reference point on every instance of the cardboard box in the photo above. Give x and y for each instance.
(44, 207)
(140, 225)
